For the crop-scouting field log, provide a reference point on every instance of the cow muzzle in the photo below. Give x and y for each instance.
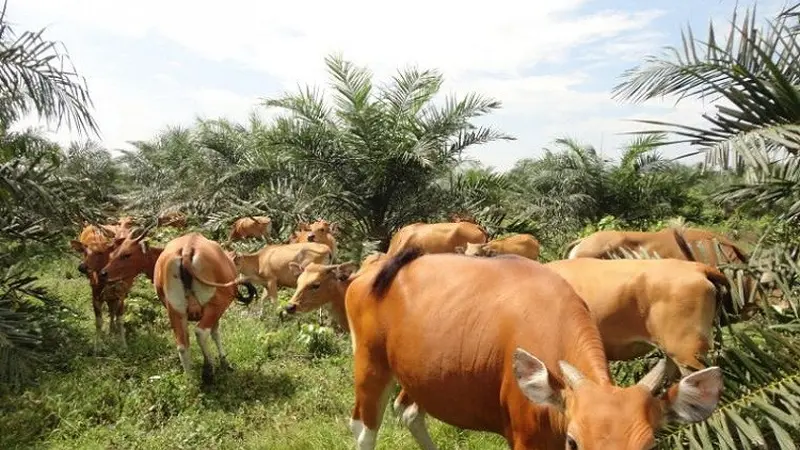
(291, 308)
(83, 269)
(311, 237)
(103, 275)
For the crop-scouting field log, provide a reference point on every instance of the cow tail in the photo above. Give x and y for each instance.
(389, 271)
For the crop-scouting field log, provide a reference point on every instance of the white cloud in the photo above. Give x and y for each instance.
(288, 41)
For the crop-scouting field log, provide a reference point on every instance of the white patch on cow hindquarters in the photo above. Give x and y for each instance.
(173, 290)
(202, 292)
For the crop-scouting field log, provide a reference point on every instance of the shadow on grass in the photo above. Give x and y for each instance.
(231, 389)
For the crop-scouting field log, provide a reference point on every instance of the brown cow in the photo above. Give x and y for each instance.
(271, 266)
(173, 219)
(95, 245)
(603, 243)
(668, 303)
(462, 348)
(320, 231)
(193, 278)
(321, 284)
(251, 226)
(523, 245)
(441, 237)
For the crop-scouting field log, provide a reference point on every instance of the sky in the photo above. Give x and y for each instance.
(151, 64)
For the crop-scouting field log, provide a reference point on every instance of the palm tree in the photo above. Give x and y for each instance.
(37, 203)
(379, 150)
(753, 74)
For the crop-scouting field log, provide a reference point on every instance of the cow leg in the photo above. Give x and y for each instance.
(373, 383)
(223, 358)
(271, 291)
(414, 419)
(209, 321)
(181, 332)
(115, 311)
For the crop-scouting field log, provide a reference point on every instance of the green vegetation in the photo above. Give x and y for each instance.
(373, 159)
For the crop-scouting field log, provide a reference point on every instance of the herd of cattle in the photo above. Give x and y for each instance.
(476, 332)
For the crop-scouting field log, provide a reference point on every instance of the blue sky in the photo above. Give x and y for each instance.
(152, 63)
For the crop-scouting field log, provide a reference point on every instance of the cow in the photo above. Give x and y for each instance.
(251, 226)
(523, 245)
(502, 345)
(193, 278)
(94, 244)
(271, 266)
(668, 303)
(604, 244)
(441, 237)
(320, 231)
(172, 219)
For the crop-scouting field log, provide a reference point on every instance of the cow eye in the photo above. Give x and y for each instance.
(314, 286)
(571, 444)
(125, 256)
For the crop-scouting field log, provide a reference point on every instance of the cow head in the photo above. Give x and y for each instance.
(95, 255)
(94, 247)
(128, 257)
(320, 230)
(317, 284)
(602, 416)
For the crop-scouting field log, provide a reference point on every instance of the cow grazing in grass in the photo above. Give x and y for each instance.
(193, 278)
(502, 345)
(442, 237)
(251, 226)
(271, 266)
(668, 303)
(523, 245)
(94, 245)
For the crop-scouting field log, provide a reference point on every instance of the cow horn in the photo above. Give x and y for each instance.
(144, 233)
(572, 376)
(654, 377)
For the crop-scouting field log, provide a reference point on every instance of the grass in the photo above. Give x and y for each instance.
(291, 387)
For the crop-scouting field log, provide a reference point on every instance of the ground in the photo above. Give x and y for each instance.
(291, 387)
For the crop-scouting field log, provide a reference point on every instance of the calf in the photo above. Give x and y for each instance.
(271, 266)
(489, 347)
(523, 245)
(668, 303)
(95, 245)
(193, 278)
(437, 237)
(251, 226)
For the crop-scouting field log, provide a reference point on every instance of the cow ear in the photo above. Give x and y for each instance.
(344, 270)
(533, 379)
(144, 246)
(695, 397)
(296, 269)
(460, 249)
(77, 246)
(118, 241)
(334, 227)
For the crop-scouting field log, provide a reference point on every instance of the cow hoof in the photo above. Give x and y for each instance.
(225, 365)
(208, 374)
